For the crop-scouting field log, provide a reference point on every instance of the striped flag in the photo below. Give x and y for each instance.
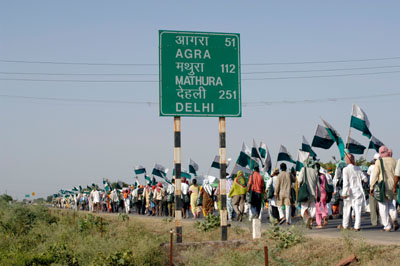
(375, 144)
(305, 146)
(147, 178)
(159, 171)
(335, 136)
(245, 159)
(215, 163)
(284, 155)
(193, 167)
(322, 139)
(266, 157)
(255, 152)
(184, 173)
(302, 157)
(140, 170)
(355, 147)
(359, 120)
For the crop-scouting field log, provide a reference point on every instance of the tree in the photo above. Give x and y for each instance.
(49, 198)
(6, 198)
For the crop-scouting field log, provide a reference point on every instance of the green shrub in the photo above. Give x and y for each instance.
(285, 238)
(18, 219)
(210, 223)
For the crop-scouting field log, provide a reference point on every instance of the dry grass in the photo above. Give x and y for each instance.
(142, 237)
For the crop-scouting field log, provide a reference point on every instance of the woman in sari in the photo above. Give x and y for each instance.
(194, 192)
(320, 206)
(207, 193)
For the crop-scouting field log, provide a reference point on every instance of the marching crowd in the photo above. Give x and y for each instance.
(314, 193)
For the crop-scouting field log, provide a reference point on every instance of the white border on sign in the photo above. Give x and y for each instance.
(236, 35)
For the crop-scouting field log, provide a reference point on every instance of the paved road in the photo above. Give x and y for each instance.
(368, 233)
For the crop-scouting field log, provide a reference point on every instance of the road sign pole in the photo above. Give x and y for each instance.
(222, 184)
(177, 161)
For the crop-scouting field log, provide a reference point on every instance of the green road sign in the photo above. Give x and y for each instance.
(199, 74)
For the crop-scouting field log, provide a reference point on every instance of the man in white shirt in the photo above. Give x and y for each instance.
(96, 200)
(274, 210)
(352, 192)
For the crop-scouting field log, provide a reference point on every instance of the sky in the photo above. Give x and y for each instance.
(52, 144)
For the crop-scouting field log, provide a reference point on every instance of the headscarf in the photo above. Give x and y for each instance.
(384, 152)
(159, 186)
(207, 187)
(240, 179)
(239, 186)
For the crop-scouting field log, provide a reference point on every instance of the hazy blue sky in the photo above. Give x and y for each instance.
(48, 145)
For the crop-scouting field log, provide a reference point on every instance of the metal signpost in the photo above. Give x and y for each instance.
(199, 76)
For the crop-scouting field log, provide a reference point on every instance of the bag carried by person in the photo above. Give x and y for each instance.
(185, 198)
(271, 191)
(304, 194)
(292, 195)
(379, 187)
(329, 191)
(170, 197)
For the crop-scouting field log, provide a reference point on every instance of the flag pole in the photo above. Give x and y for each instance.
(348, 138)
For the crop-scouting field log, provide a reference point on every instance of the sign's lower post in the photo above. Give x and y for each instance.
(222, 184)
(177, 162)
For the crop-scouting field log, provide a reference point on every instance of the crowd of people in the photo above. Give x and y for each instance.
(313, 193)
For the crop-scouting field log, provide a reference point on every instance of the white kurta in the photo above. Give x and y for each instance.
(353, 190)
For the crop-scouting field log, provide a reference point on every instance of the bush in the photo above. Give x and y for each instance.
(18, 219)
(210, 223)
(91, 223)
(284, 238)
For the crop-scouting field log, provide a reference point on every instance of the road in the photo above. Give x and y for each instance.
(370, 234)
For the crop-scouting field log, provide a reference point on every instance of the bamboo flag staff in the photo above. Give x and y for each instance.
(222, 186)
(177, 162)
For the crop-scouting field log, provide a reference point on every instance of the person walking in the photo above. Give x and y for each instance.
(308, 207)
(275, 213)
(373, 204)
(207, 193)
(185, 198)
(282, 193)
(171, 198)
(321, 210)
(385, 169)
(256, 187)
(352, 193)
(158, 197)
(237, 194)
(194, 192)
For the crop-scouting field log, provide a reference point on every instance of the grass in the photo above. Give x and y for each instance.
(31, 235)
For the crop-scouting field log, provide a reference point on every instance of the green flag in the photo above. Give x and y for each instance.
(284, 155)
(305, 146)
(355, 147)
(336, 137)
(375, 144)
(359, 120)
